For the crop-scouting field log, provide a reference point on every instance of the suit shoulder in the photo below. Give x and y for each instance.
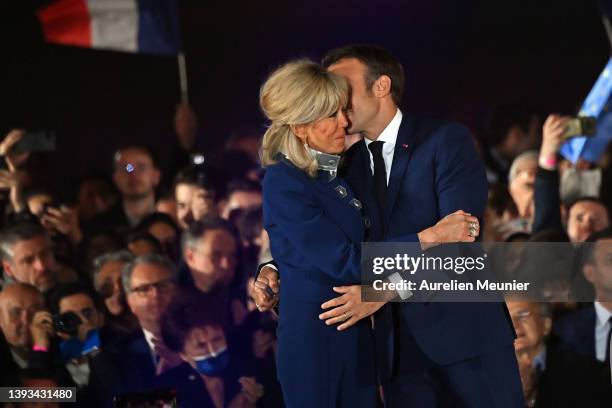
(440, 128)
(574, 319)
(283, 176)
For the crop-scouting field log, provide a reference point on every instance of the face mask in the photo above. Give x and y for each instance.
(579, 183)
(213, 364)
(74, 348)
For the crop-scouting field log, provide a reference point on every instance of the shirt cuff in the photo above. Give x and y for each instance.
(396, 279)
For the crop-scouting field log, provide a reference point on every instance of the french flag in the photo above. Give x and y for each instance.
(141, 26)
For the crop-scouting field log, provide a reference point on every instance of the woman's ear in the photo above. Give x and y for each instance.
(299, 131)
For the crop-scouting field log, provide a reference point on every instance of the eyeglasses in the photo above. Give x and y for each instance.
(162, 286)
(522, 317)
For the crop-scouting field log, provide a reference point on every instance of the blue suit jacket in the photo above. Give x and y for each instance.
(316, 228)
(436, 171)
(576, 331)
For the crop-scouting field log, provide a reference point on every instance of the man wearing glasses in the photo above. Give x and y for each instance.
(149, 283)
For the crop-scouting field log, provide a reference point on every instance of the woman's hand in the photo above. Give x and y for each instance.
(348, 309)
(552, 139)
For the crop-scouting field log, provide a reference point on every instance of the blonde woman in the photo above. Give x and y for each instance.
(315, 225)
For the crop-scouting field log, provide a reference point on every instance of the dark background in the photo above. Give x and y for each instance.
(460, 57)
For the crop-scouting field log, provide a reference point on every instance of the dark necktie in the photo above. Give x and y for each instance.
(380, 175)
(607, 359)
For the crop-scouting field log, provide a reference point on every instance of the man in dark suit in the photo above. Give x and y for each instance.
(551, 376)
(150, 283)
(587, 331)
(411, 173)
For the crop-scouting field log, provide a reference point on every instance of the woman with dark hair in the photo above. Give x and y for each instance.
(213, 373)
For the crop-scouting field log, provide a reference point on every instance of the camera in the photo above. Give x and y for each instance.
(580, 126)
(68, 323)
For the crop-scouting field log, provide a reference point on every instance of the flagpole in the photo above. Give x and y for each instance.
(182, 67)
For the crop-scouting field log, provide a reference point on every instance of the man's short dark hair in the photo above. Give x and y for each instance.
(593, 200)
(20, 231)
(197, 229)
(377, 60)
(70, 289)
(155, 218)
(144, 149)
(148, 238)
(187, 311)
(198, 176)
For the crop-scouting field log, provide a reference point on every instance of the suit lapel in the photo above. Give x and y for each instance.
(401, 156)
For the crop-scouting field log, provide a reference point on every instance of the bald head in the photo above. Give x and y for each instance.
(18, 303)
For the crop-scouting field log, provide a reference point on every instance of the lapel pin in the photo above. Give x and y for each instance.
(405, 146)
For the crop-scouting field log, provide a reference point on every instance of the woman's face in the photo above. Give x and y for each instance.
(327, 134)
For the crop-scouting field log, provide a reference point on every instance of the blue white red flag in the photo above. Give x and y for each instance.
(142, 26)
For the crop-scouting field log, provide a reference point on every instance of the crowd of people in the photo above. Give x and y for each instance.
(140, 279)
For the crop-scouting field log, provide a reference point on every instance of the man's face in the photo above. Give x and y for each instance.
(530, 326)
(83, 305)
(585, 218)
(95, 197)
(213, 260)
(246, 200)
(151, 291)
(32, 262)
(600, 272)
(135, 174)
(18, 304)
(192, 204)
(364, 106)
(109, 286)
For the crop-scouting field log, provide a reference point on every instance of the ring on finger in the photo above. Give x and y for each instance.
(472, 232)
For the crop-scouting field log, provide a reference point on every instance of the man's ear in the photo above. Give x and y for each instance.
(589, 273)
(7, 268)
(188, 255)
(156, 176)
(382, 86)
(547, 325)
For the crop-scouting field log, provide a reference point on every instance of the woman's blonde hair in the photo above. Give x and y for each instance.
(297, 93)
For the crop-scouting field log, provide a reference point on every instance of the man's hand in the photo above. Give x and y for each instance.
(167, 358)
(552, 139)
(266, 289)
(41, 328)
(64, 220)
(251, 388)
(456, 227)
(348, 309)
(13, 160)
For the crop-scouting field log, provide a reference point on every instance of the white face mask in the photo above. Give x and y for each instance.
(579, 183)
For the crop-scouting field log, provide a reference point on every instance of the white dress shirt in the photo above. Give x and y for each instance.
(389, 136)
(149, 338)
(602, 327)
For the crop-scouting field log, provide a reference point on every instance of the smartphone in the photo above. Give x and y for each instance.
(580, 126)
(35, 142)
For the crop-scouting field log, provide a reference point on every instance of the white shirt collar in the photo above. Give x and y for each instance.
(149, 338)
(603, 314)
(389, 134)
